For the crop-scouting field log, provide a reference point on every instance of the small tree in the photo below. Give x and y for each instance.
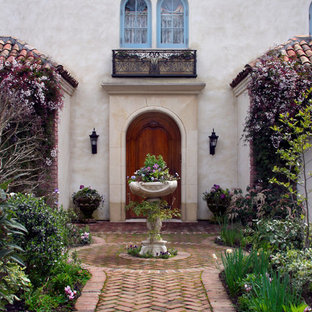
(297, 131)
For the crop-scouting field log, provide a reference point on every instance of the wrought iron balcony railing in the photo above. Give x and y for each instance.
(154, 63)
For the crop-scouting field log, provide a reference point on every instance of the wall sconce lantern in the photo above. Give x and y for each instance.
(93, 138)
(213, 139)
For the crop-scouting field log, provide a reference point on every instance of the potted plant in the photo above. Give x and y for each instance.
(87, 200)
(217, 199)
(152, 182)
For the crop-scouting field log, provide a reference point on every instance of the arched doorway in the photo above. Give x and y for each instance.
(158, 134)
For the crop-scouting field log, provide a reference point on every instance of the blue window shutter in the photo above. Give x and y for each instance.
(172, 45)
(123, 43)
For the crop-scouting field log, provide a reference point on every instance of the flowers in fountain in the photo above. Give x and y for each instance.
(155, 170)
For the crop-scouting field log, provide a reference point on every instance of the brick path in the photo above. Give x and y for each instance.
(190, 284)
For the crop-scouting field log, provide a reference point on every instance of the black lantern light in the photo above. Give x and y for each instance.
(213, 139)
(93, 138)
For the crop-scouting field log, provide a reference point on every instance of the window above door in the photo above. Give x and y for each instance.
(135, 24)
(171, 24)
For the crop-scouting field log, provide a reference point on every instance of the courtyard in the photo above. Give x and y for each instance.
(188, 282)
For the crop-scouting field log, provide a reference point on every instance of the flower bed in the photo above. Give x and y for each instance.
(40, 270)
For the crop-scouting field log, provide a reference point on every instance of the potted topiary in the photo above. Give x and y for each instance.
(87, 200)
(217, 199)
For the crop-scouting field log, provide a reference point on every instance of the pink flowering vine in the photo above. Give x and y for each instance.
(274, 88)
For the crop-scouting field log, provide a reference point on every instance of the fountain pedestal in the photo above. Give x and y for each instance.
(153, 191)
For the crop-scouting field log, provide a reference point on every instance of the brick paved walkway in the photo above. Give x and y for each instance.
(121, 284)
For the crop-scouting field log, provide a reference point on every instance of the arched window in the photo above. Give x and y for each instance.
(172, 24)
(135, 24)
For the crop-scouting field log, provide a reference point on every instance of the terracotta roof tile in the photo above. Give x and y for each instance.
(308, 52)
(5, 53)
(304, 60)
(12, 48)
(297, 48)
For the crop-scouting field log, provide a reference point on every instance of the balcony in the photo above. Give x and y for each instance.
(154, 63)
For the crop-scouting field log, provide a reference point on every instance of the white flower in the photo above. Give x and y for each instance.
(53, 152)
(229, 251)
(214, 256)
(48, 162)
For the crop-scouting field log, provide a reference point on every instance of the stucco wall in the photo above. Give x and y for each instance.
(242, 103)
(64, 152)
(80, 35)
(308, 167)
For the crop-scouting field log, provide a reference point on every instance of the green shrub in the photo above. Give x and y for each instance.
(278, 235)
(63, 287)
(76, 236)
(44, 241)
(9, 250)
(259, 203)
(297, 264)
(13, 282)
(42, 302)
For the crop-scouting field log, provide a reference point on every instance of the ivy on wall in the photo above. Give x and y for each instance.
(274, 88)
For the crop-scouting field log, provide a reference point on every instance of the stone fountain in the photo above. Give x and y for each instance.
(152, 192)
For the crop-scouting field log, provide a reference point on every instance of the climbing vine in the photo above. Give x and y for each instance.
(275, 86)
(30, 94)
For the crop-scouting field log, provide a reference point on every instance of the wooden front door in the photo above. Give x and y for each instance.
(157, 134)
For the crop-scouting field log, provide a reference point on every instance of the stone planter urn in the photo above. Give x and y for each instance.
(87, 200)
(153, 191)
(87, 207)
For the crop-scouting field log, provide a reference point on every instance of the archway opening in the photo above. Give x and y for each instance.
(158, 134)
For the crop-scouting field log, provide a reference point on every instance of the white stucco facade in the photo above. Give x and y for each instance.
(81, 34)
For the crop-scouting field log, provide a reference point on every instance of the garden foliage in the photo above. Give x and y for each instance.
(268, 293)
(43, 243)
(278, 235)
(274, 88)
(13, 283)
(48, 234)
(13, 280)
(250, 278)
(258, 203)
(297, 264)
(48, 268)
(63, 286)
(296, 131)
(29, 96)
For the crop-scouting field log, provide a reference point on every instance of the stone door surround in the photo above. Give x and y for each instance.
(126, 102)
